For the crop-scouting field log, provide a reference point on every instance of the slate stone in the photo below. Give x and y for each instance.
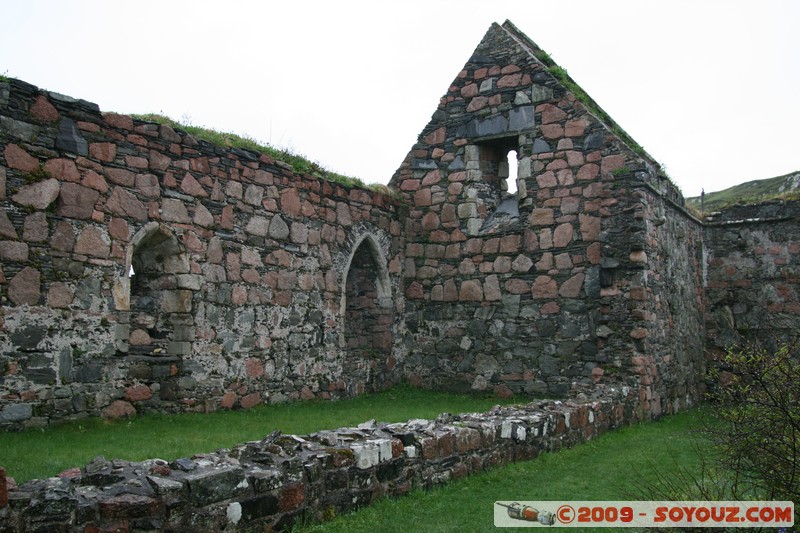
(65, 364)
(163, 486)
(481, 59)
(69, 138)
(424, 164)
(16, 412)
(540, 146)
(456, 164)
(593, 141)
(521, 118)
(23, 131)
(592, 282)
(41, 376)
(209, 486)
(259, 506)
(495, 125)
(28, 338)
(183, 464)
(77, 102)
(606, 278)
(541, 93)
(245, 154)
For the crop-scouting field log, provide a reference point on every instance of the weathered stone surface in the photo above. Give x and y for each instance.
(470, 291)
(190, 186)
(35, 228)
(42, 109)
(544, 287)
(119, 409)
(125, 204)
(174, 210)
(13, 251)
(6, 227)
(590, 227)
(59, 296)
(278, 229)
(69, 138)
(38, 195)
(562, 235)
(76, 201)
(138, 393)
(253, 195)
(62, 169)
(17, 158)
(16, 412)
(551, 113)
(25, 287)
(214, 485)
(106, 152)
(250, 400)
(131, 506)
(258, 226)
(93, 241)
(63, 238)
(542, 217)
(572, 287)
(203, 217)
(148, 185)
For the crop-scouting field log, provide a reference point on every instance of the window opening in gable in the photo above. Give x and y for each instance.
(498, 164)
(511, 169)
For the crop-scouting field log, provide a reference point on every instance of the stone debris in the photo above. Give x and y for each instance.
(268, 483)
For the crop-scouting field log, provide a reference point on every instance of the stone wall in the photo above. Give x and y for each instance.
(753, 286)
(560, 284)
(275, 481)
(145, 269)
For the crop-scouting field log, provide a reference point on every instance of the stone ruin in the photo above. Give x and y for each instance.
(146, 270)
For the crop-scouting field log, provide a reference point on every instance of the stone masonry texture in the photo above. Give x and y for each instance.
(268, 484)
(142, 269)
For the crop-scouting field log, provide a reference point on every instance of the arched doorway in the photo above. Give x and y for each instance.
(161, 323)
(367, 318)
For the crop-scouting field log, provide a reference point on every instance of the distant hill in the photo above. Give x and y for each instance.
(751, 192)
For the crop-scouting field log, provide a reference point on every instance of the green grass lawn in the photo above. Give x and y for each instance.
(611, 467)
(42, 453)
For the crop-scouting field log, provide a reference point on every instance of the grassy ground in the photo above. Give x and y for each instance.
(751, 192)
(611, 467)
(43, 453)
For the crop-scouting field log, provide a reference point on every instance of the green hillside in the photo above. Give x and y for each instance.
(751, 192)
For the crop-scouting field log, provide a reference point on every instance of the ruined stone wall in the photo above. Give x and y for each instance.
(753, 279)
(285, 478)
(659, 271)
(549, 288)
(145, 269)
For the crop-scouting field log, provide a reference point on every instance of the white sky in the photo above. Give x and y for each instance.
(709, 88)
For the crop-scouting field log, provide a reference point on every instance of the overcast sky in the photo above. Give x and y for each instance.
(708, 88)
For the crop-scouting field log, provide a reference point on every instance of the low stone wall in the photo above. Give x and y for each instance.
(272, 482)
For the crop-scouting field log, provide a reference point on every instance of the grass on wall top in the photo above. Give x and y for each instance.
(299, 163)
